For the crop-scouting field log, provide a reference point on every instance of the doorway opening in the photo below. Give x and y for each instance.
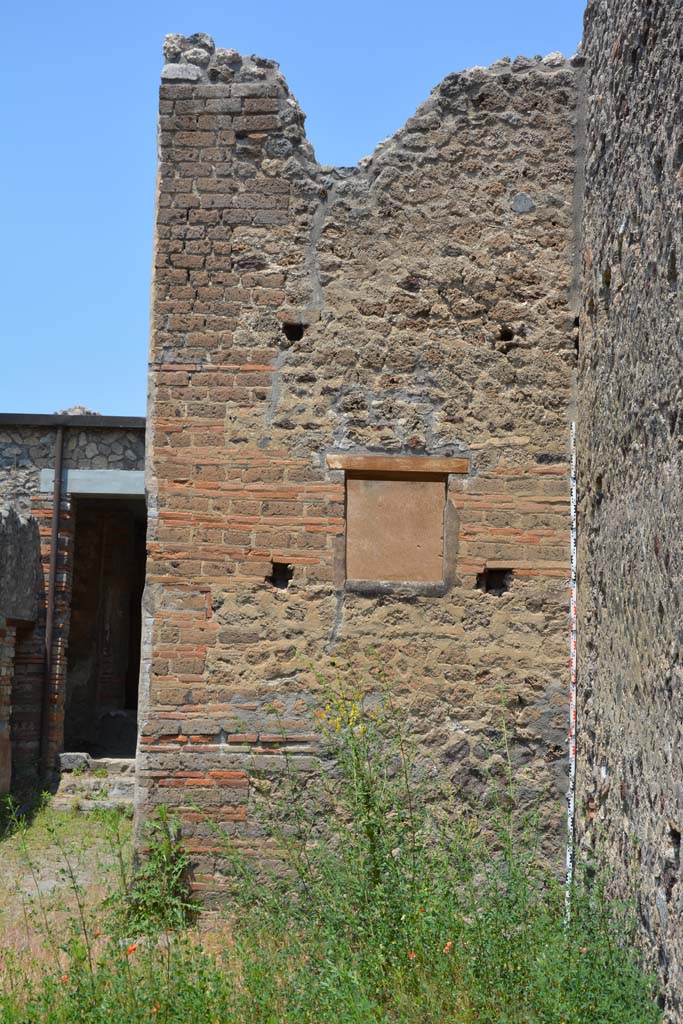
(103, 661)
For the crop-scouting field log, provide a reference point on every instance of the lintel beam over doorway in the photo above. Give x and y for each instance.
(126, 483)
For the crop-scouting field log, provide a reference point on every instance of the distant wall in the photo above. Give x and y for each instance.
(631, 467)
(25, 450)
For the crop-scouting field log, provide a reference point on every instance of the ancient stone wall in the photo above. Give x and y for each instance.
(417, 308)
(631, 468)
(26, 449)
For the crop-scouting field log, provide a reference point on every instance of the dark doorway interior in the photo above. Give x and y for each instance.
(106, 619)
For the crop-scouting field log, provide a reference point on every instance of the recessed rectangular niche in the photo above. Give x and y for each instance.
(395, 528)
(401, 529)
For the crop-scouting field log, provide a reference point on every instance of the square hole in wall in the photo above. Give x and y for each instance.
(494, 581)
(281, 575)
(395, 528)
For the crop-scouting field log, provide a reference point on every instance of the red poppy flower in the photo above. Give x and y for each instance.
(133, 946)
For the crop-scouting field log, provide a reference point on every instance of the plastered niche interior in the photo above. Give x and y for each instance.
(394, 529)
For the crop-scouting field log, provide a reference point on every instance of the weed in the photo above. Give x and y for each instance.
(158, 896)
(17, 811)
(394, 911)
(383, 910)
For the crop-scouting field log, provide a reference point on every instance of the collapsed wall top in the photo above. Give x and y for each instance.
(195, 59)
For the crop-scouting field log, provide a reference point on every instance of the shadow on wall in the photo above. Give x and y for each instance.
(21, 582)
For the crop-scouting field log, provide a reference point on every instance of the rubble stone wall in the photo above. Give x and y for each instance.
(631, 468)
(25, 450)
(419, 304)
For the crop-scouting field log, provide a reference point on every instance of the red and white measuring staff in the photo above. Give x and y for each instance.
(572, 673)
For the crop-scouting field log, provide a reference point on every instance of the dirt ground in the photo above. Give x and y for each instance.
(49, 864)
(57, 860)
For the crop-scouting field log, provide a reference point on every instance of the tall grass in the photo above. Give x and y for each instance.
(386, 909)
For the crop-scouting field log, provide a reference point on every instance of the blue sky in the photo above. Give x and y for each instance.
(79, 84)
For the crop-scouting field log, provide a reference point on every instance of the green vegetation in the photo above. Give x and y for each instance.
(156, 897)
(385, 911)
